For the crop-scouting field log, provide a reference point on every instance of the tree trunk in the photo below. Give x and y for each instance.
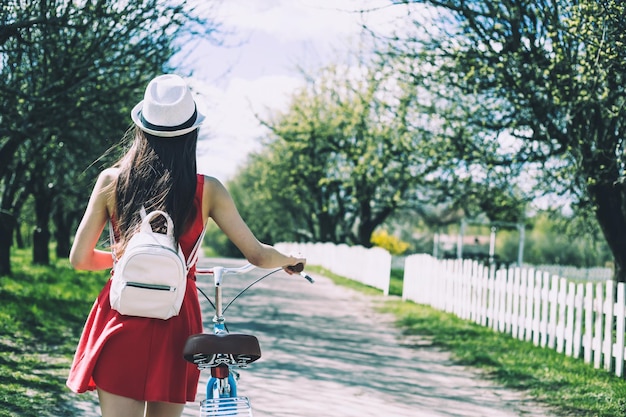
(364, 233)
(612, 219)
(7, 225)
(62, 234)
(19, 239)
(41, 235)
(325, 228)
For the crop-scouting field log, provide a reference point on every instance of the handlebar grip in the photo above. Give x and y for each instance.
(299, 267)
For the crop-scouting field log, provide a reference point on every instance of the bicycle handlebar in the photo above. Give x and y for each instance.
(219, 271)
(224, 270)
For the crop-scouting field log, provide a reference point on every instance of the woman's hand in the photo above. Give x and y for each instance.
(296, 265)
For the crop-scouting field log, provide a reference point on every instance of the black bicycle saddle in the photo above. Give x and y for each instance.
(209, 350)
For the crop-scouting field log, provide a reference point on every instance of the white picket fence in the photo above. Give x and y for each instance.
(571, 272)
(585, 320)
(370, 266)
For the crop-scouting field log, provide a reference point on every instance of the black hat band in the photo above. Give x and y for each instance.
(185, 125)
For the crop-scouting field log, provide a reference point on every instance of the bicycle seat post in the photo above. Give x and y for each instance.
(218, 319)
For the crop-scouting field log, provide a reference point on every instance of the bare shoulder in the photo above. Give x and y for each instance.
(108, 176)
(104, 189)
(211, 181)
(215, 195)
(212, 185)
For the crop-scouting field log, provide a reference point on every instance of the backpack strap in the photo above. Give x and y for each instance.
(112, 244)
(193, 256)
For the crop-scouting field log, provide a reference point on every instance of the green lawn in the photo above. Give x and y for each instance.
(42, 313)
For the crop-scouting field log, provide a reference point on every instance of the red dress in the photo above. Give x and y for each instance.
(138, 357)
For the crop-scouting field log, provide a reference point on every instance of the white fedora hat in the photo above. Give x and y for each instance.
(167, 109)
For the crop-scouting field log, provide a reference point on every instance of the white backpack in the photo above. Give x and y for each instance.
(150, 278)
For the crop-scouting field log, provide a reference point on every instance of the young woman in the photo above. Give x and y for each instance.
(136, 363)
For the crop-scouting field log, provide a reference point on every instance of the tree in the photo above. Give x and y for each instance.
(70, 72)
(346, 155)
(272, 211)
(549, 78)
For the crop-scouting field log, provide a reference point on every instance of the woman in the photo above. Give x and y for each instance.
(136, 363)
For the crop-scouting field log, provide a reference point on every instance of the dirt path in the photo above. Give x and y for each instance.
(328, 352)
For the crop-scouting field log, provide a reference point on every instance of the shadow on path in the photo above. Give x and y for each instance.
(326, 351)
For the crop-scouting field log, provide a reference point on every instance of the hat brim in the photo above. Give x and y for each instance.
(134, 115)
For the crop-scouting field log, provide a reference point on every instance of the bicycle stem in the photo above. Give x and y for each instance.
(218, 319)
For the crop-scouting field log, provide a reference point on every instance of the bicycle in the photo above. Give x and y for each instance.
(221, 351)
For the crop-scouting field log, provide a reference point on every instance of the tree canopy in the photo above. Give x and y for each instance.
(546, 80)
(70, 73)
(345, 155)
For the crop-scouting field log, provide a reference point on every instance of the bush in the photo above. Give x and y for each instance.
(391, 243)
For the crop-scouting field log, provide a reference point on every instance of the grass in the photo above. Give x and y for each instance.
(42, 314)
(566, 385)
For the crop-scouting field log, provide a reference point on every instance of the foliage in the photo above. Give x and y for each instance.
(539, 84)
(344, 157)
(263, 198)
(42, 315)
(391, 243)
(70, 73)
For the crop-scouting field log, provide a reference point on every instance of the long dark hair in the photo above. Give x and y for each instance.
(159, 174)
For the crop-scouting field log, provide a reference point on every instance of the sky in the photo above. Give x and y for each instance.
(255, 70)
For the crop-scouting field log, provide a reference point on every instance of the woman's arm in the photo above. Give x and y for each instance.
(222, 209)
(84, 254)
